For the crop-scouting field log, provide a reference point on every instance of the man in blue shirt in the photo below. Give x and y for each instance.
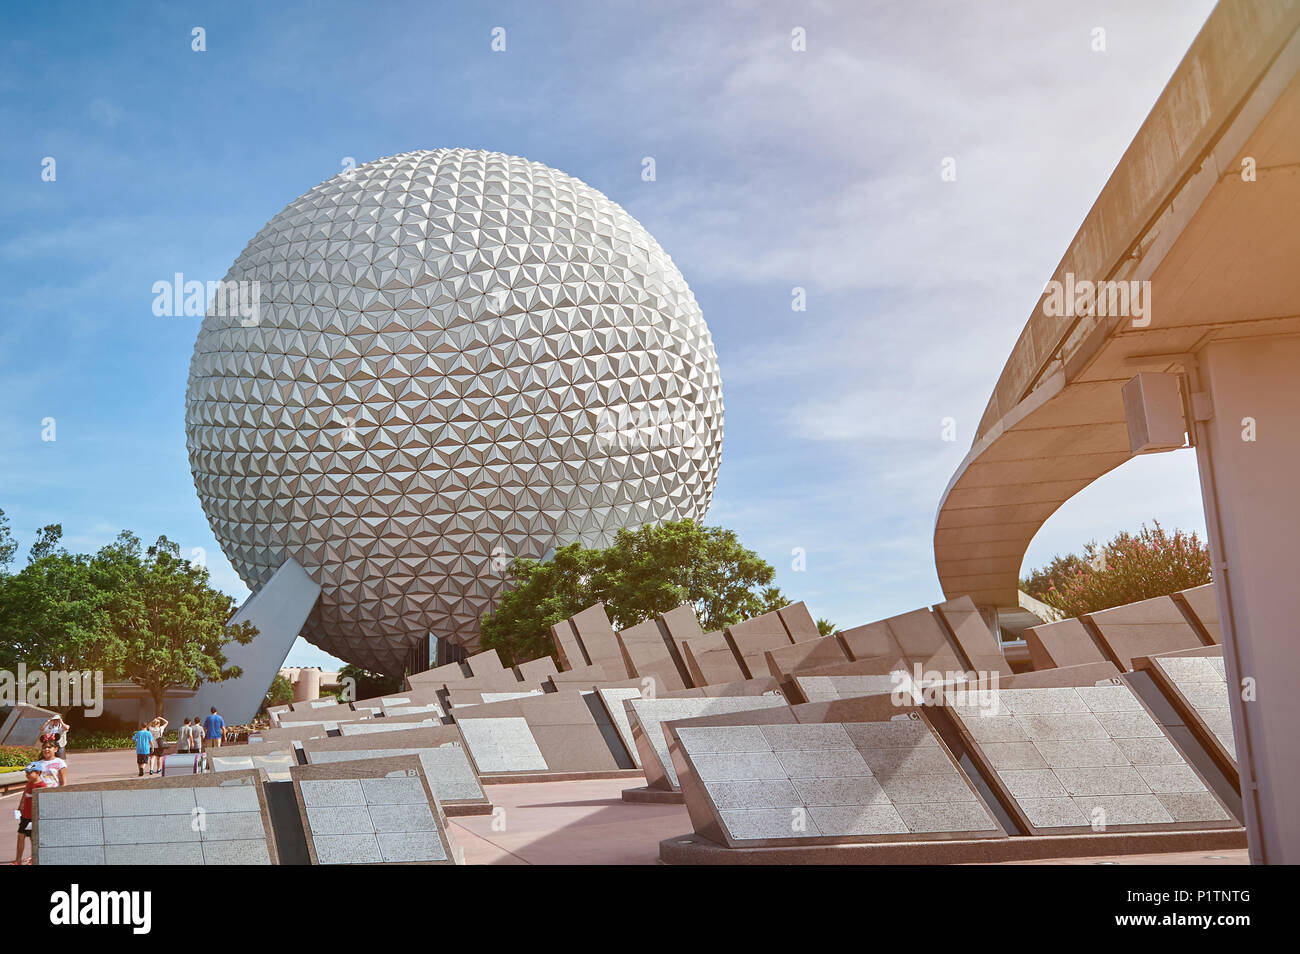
(212, 728)
(143, 747)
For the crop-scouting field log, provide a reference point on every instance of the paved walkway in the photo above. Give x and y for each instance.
(564, 823)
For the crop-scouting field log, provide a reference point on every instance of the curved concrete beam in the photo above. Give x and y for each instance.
(1177, 213)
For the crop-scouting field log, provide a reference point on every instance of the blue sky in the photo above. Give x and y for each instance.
(775, 169)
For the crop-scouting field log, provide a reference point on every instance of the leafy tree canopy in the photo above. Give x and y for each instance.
(8, 545)
(1129, 568)
(146, 616)
(280, 693)
(646, 572)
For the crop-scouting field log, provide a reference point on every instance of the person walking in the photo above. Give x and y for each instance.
(143, 747)
(214, 728)
(183, 737)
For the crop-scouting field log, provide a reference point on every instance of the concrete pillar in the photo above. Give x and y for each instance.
(307, 687)
(1246, 405)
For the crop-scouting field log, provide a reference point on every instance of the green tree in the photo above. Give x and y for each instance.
(646, 572)
(772, 599)
(8, 545)
(280, 693)
(47, 542)
(54, 616)
(1131, 567)
(826, 628)
(171, 622)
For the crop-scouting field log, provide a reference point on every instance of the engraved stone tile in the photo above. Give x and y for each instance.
(930, 760)
(402, 818)
(1150, 751)
(859, 820)
(1204, 695)
(149, 829)
(1052, 812)
(393, 791)
(70, 832)
(826, 763)
(346, 820)
(1171, 779)
(878, 735)
(148, 801)
(433, 708)
(53, 803)
(347, 849)
(503, 745)
(1219, 721)
(227, 798)
(1218, 665)
(232, 826)
(828, 792)
(903, 789)
(381, 725)
(80, 855)
(1032, 783)
(163, 853)
(1129, 725)
(328, 793)
(1192, 669)
(769, 823)
(449, 773)
(1065, 726)
(1020, 702)
(230, 763)
(1081, 753)
(1105, 780)
(411, 846)
(733, 766)
(250, 851)
(709, 740)
(753, 793)
(1108, 698)
(1185, 807)
(829, 736)
(991, 708)
(1125, 809)
(946, 816)
(1013, 755)
(995, 729)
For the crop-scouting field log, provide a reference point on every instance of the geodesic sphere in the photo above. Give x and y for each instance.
(445, 360)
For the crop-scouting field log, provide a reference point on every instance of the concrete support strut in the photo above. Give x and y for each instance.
(1246, 405)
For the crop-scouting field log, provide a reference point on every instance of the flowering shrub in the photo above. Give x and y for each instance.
(1129, 568)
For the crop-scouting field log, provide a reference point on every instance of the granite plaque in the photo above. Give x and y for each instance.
(189, 820)
(808, 783)
(1086, 758)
